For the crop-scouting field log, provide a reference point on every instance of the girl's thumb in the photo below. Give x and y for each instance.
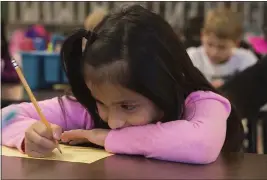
(57, 131)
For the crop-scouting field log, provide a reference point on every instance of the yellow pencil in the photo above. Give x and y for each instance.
(33, 99)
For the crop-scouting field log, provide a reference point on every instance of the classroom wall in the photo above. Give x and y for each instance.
(69, 15)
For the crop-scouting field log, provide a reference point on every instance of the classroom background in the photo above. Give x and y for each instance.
(35, 31)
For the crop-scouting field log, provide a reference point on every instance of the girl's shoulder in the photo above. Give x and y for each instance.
(205, 96)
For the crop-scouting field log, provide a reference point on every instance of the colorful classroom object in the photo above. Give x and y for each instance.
(259, 44)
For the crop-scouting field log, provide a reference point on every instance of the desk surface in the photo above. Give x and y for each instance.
(228, 166)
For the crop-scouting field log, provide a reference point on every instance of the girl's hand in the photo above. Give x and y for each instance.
(217, 83)
(96, 136)
(39, 141)
(76, 142)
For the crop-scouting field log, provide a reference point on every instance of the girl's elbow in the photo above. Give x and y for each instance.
(203, 153)
(206, 154)
(207, 151)
(197, 151)
(207, 158)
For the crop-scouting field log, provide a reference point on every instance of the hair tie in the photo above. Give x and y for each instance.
(90, 36)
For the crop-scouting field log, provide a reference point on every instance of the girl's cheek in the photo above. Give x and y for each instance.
(147, 117)
(102, 113)
(140, 120)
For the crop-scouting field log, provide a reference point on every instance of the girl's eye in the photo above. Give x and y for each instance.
(128, 107)
(99, 103)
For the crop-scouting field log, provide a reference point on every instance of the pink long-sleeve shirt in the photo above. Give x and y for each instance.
(197, 138)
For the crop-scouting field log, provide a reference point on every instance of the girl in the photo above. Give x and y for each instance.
(136, 92)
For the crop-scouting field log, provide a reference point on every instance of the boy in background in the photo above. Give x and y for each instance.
(218, 58)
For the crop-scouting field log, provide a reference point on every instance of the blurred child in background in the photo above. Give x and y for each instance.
(218, 58)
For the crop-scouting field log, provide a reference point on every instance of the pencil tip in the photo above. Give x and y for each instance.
(59, 150)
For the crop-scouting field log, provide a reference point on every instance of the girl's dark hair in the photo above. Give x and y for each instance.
(139, 50)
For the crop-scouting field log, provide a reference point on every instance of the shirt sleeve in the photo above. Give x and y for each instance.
(198, 138)
(192, 53)
(64, 112)
(249, 59)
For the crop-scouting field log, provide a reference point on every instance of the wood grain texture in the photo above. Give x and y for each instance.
(228, 166)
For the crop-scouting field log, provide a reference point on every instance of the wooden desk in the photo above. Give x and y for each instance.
(228, 166)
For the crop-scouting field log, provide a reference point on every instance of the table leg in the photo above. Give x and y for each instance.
(252, 135)
(264, 130)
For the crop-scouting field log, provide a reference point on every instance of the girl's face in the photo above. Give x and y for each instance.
(121, 107)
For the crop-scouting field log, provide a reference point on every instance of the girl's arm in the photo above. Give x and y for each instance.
(67, 114)
(196, 139)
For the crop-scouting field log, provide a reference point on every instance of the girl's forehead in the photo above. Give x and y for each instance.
(116, 72)
(110, 88)
(113, 92)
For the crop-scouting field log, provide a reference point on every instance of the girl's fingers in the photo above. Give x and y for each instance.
(35, 150)
(42, 130)
(57, 131)
(35, 154)
(39, 140)
(77, 134)
(95, 136)
(78, 141)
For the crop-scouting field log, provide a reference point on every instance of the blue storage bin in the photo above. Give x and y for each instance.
(52, 68)
(31, 66)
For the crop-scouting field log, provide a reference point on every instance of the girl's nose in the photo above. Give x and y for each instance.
(116, 123)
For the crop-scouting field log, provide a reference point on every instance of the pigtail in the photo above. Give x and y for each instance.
(72, 59)
(72, 52)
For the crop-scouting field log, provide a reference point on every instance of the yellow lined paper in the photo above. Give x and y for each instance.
(70, 153)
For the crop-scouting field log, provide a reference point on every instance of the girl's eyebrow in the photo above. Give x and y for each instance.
(98, 101)
(126, 102)
(119, 102)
